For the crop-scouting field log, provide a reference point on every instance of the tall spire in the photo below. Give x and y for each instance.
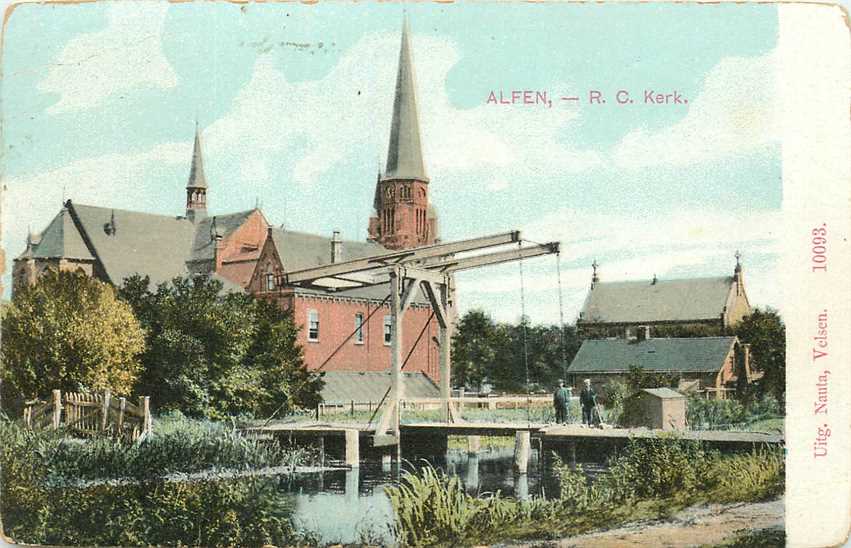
(196, 173)
(404, 155)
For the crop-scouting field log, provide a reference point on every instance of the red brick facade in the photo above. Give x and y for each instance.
(402, 219)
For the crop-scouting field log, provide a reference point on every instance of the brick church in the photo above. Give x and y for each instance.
(245, 253)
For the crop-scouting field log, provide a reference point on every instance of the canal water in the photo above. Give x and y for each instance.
(349, 506)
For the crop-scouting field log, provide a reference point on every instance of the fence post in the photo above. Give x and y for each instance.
(57, 408)
(146, 413)
(122, 404)
(104, 419)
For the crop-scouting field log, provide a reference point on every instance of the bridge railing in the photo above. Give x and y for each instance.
(497, 402)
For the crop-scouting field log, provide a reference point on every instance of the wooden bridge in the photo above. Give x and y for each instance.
(431, 439)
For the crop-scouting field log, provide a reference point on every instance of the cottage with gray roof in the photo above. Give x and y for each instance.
(703, 364)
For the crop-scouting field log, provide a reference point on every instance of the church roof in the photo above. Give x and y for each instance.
(404, 154)
(138, 243)
(657, 301)
(60, 239)
(202, 245)
(698, 355)
(196, 172)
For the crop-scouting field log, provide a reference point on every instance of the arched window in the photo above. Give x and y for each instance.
(270, 281)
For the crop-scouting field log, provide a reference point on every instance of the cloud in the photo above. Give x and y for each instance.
(736, 113)
(125, 55)
(123, 181)
(314, 126)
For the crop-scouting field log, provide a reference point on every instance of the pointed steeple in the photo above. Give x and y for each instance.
(404, 155)
(196, 187)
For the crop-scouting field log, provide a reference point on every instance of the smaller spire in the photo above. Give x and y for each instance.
(196, 172)
(594, 276)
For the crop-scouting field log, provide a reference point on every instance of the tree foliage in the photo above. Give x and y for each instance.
(765, 331)
(69, 331)
(501, 353)
(214, 355)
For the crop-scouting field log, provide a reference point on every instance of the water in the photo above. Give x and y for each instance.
(349, 506)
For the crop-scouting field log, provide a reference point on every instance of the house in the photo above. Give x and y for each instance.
(342, 330)
(665, 307)
(706, 365)
(660, 408)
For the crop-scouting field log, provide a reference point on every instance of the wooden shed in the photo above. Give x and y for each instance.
(661, 408)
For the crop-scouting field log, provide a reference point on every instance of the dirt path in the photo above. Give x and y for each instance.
(695, 526)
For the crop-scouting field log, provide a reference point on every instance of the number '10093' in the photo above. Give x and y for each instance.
(819, 249)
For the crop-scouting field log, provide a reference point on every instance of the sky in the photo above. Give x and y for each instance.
(100, 102)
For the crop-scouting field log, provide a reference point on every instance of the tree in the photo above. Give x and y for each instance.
(765, 331)
(69, 331)
(214, 355)
(474, 348)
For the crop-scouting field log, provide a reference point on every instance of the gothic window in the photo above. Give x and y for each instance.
(359, 328)
(388, 330)
(312, 325)
(270, 281)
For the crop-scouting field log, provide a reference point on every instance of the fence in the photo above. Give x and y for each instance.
(497, 402)
(89, 414)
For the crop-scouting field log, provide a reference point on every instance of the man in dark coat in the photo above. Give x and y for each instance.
(561, 399)
(588, 400)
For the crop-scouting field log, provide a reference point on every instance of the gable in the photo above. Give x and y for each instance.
(61, 239)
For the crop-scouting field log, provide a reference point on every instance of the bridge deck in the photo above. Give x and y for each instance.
(572, 433)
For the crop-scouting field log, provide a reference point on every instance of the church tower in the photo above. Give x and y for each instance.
(196, 187)
(402, 216)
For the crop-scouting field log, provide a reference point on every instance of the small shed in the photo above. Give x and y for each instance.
(661, 408)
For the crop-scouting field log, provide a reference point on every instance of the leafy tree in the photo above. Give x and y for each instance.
(765, 331)
(474, 349)
(215, 355)
(69, 331)
(638, 379)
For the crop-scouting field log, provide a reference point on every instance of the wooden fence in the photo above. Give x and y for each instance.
(89, 414)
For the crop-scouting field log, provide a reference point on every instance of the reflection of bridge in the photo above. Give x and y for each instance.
(431, 439)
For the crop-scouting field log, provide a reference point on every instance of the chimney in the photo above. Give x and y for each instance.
(336, 247)
(655, 279)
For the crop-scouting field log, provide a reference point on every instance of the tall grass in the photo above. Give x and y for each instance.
(649, 478)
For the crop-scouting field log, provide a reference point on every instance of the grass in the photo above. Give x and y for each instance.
(650, 479)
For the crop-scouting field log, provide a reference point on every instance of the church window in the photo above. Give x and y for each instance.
(388, 330)
(359, 328)
(312, 325)
(270, 281)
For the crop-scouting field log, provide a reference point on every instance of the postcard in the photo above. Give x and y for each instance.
(425, 274)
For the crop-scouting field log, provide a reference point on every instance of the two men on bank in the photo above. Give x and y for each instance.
(587, 401)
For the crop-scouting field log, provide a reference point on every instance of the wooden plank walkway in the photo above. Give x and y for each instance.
(573, 433)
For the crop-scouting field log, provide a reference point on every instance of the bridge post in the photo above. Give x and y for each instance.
(352, 448)
(474, 444)
(396, 348)
(522, 450)
(447, 303)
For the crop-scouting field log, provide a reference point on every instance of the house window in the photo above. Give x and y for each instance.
(388, 330)
(312, 325)
(270, 281)
(358, 328)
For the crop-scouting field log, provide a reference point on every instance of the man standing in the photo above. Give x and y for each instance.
(588, 400)
(561, 399)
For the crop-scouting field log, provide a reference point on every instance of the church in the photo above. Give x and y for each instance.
(341, 330)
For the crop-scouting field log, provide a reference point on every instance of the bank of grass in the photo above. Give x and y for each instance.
(650, 479)
(44, 501)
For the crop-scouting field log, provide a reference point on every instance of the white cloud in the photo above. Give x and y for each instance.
(315, 131)
(123, 181)
(125, 55)
(735, 113)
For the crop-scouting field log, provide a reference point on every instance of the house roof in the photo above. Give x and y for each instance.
(366, 386)
(701, 354)
(662, 300)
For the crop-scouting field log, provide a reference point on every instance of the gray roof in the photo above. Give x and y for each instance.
(202, 246)
(404, 154)
(663, 393)
(60, 239)
(366, 386)
(139, 243)
(664, 300)
(196, 172)
(700, 354)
